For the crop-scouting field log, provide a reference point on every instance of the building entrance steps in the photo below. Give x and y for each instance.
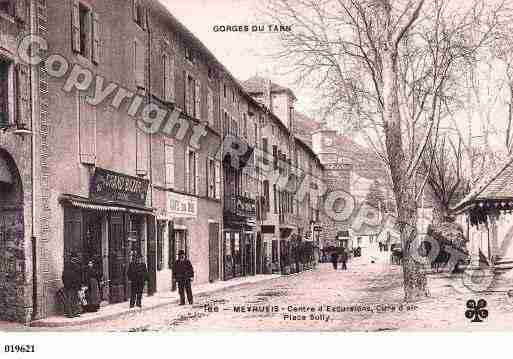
(111, 311)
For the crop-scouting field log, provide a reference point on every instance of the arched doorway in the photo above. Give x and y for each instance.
(12, 252)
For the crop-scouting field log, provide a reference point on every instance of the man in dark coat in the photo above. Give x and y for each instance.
(183, 274)
(137, 275)
(334, 259)
(72, 281)
(343, 259)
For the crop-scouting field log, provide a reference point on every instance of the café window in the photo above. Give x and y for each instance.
(6, 93)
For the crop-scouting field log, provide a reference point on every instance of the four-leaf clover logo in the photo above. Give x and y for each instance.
(476, 312)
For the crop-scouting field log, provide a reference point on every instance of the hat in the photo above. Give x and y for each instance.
(181, 252)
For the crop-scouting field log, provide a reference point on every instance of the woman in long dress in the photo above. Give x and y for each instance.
(92, 282)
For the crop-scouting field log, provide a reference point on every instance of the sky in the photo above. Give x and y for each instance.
(244, 54)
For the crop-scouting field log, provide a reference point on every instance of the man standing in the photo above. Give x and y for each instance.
(184, 274)
(334, 259)
(137, 274)
(344, 259)
(72, 281)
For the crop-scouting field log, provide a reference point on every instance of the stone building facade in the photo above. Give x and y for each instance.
(113, 143)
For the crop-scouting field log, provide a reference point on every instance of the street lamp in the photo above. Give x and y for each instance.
(19, 129)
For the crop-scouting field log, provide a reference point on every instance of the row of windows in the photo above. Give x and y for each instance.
(192, 172)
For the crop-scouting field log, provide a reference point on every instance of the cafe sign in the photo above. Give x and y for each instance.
(112, 186)
(182, 206)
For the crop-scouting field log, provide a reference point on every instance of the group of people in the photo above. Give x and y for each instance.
(82, 289)
(343, 257)
(383, 247)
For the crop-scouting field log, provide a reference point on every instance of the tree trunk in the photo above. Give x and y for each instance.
(415, 281)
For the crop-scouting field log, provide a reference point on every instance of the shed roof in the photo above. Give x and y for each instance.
(496, 186)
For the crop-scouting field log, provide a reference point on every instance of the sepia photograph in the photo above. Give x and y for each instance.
(245, 166)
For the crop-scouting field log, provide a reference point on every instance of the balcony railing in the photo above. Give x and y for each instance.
(240, 205)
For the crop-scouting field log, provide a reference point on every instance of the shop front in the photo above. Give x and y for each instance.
(239, 246)
(181, 209)
(110, 227)
(239, 237)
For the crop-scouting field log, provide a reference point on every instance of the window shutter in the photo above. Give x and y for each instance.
(207, 175)
(218, 179)
(196, 170)
(197, 98)
(165, 64)
(96, 38)
(209, 106)
(75, 26)
(187, 172)
(135, 4)
(171, 76)
(20, 10)
(186, 87)
(144, 18)
(170, 166)
(139, 64)
(23, 93)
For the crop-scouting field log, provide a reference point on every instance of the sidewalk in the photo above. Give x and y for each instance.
(158, 300)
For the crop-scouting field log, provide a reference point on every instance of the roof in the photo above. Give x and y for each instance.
(497, 185)
(304, 126)
(309, 150)
(258, 84)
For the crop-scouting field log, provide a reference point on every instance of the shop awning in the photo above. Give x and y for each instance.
(97, 207)
(86, 203)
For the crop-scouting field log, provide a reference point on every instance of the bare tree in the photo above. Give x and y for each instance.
(396, 67)
(446, 176)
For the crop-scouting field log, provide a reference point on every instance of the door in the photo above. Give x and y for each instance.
(248, 255)
(172, 252)
(93, 240)
(213, 251)
(259, 254)
(117, 258)
(151, 259)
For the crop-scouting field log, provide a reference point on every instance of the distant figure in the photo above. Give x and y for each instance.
(184, 274)
(72, 281)
(138, 275)
(334, 259)
(381, 247)
(92, 282)
(344, 259)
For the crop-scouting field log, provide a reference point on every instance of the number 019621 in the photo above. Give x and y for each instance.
(19, 348)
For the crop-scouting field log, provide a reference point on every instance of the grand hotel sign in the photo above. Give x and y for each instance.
(112, 186)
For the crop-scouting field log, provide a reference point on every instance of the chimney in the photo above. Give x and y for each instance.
(268, 94)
